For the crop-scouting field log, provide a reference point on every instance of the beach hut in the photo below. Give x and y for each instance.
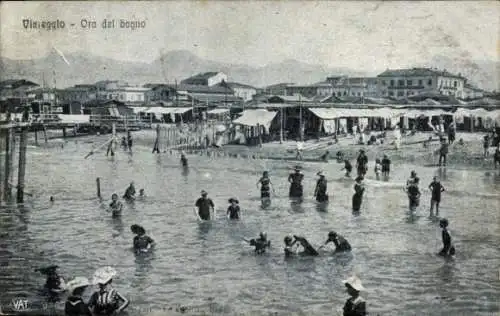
(257, 125)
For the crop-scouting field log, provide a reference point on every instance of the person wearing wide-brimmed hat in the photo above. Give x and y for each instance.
(107, 300)
(55, 283)
(142, 242)
(233, 211)
(362, 163)
(204, 205)
(321, 188)
(355, 305)
(295, 180)
(357, 198)
(75, 306)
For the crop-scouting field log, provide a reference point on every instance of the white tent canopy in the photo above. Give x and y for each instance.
(218, 111)
(333, 113)
(256, 117)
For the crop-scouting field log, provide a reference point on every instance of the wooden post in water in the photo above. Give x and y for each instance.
(12, 153)
(2, 166)
(64, 132)
(23, 144)
(98, 182)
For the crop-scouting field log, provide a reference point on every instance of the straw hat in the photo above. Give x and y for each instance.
(77, 283)
(104, 275)
(297, 168)
(321, 174)
(355, 283)
(231, 200)
(203, 192)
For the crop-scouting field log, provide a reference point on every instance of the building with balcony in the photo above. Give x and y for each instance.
(404, 83)
(364, 87)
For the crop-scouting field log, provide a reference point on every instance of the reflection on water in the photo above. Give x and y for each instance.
(394, 252)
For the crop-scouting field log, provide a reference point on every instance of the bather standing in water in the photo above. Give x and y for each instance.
(55, 284)
(386, 166)
(357, 198)
(448, 250)
(184, 161)
(341, 244)
(295, 180)
(362, 163)
(260, 243)
(75, 306)
(233, 211)
(436, 188)
(130, 192)
(204, 205)
(347, 167)
(321, 188)
(265, 186)
(355, 305)
(115, 207)
(141, 242)
(413, 194)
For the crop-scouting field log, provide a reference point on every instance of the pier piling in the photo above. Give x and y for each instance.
(23, 144)
(45, 134)
(6, 185)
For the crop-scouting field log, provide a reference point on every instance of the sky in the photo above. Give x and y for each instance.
(359, 35)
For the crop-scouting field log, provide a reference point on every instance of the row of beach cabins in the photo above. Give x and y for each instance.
(266, 122)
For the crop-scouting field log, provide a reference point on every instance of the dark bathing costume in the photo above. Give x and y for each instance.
(357, 198)
(141, 242)
(265, 189)
(321, 186)
(296, 190)
(234, 211)
(436, 188)
(204, 205)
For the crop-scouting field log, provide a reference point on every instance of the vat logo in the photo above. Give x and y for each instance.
(20, 304)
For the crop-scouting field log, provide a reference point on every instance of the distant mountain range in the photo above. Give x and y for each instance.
(177, 65)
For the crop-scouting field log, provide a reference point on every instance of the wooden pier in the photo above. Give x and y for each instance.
(8, 137)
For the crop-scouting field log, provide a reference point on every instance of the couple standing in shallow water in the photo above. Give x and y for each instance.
(297, 191)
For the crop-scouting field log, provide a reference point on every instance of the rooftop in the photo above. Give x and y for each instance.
(203, 76)
(238, 85)
(16, 83)
(418, 72)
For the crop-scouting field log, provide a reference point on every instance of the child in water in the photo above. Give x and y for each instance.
(233, 211)
(347, 167)
(378, 168)
(142, 242)
(357, 198)
(448, 250)
(260, 243)
(115, 207)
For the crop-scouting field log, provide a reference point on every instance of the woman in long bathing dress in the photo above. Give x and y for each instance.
(357, 198)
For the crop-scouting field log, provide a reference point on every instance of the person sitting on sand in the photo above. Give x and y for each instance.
(115, 207)
(233, 211)
(448, 250)
(260, 243)
(141, 242)
(341, 244)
